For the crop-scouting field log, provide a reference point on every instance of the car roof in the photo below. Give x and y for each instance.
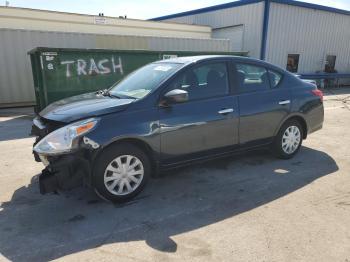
(200, 58)
(193, 59)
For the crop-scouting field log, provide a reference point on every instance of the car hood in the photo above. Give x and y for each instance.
(83, 106)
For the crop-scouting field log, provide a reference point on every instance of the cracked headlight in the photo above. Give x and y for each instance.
(63, 140)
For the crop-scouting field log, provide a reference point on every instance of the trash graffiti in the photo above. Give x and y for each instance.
(92, 67)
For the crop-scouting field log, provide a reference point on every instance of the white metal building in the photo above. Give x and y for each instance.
(23, 29)
(298, 36)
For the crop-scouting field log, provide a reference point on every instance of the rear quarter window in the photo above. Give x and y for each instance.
(275, 78)
(252, 78)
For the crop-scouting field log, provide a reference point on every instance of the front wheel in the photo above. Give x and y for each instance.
(288, 140)
(121, 172)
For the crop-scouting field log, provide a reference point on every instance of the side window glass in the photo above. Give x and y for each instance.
(206, 81)
(252, 78)
(180, 83)
(275, 78)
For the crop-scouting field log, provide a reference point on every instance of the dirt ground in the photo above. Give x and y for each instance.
(251, 207)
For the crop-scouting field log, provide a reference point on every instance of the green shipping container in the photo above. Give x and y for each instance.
(63, 72)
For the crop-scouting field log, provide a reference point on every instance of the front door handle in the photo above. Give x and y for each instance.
(226, 111)
(284, 102)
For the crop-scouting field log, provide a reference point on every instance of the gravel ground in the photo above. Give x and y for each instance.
(251, 207)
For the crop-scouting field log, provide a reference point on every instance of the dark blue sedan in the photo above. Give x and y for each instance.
(170, 113)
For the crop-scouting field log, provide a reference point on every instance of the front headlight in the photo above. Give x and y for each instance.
(63, 140)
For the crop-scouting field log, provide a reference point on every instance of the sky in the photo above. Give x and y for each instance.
(138, 9)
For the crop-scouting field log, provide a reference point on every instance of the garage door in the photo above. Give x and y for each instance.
(234, 33)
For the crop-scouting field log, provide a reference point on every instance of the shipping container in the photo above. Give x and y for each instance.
(59, 73)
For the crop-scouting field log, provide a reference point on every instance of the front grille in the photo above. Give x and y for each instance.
(41, 127)
(51, 125)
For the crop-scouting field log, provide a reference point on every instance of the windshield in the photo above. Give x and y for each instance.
(141, 82)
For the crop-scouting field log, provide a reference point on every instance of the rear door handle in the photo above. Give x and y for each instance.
(226, 111)
(284, 102)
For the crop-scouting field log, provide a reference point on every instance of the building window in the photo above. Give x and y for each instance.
(293, 62)
(330, 64)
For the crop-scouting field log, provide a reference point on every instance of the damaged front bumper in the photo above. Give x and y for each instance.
(64, 172)
(67, 170)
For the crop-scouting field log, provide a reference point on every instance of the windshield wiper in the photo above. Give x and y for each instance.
(128, 97)
(106, 92)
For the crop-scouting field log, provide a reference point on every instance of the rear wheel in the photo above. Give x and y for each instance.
(288, 140)
(121, 172)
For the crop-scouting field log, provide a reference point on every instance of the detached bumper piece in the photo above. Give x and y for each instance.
(64, 173)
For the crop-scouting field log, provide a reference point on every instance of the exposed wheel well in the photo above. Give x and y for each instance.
(302, 121)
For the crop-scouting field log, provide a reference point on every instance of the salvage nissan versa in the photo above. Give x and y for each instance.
(171, 113)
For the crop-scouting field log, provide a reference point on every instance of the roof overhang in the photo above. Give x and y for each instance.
(247, 2)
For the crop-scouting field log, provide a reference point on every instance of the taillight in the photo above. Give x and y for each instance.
(318, 93)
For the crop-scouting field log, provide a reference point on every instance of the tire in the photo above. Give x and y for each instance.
(282, 142)
(114, 170)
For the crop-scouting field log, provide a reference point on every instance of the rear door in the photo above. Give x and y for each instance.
(207, 122)
(263, 102)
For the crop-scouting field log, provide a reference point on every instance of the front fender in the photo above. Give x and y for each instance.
(142, 125)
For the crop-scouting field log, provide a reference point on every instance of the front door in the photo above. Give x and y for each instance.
(205, 124)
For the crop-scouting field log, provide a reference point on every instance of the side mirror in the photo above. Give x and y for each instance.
(175, 96)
